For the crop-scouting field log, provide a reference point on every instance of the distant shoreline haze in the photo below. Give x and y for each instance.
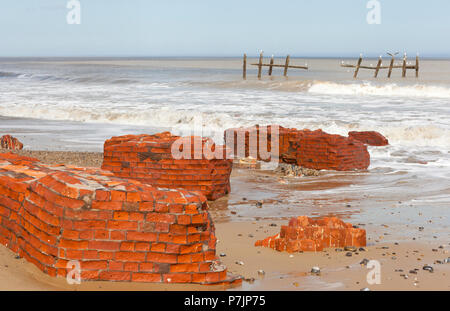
(215, 57)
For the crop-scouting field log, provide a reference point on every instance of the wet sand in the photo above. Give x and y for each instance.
(392, 225)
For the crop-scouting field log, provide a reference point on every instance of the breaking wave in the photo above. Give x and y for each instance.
(182, 120)
(388, 90)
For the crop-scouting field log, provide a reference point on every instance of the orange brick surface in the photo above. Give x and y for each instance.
(370, 138)
(9, 142)
(149, 159)
(308, 235)
(119, 230)
(310, 149)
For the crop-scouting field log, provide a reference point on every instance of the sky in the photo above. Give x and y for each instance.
(152, 28)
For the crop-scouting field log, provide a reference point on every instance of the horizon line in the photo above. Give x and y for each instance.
(331, 56)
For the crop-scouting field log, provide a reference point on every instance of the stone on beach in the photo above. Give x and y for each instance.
(11, 143)
(306, 234)
(117, 229)
(309, 149)
(150, 159)
(370, 138)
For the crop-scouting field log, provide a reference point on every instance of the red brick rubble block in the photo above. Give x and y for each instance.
(11, 143)
(370, 138)
(310, 149)
(197, 165)
(308, 235)
(116, 229)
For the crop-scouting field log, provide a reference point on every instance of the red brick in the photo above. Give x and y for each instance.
(306, 234)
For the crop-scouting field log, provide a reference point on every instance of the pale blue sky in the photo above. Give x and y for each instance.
(223, 28)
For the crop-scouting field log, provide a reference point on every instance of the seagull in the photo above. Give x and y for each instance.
(394, 54)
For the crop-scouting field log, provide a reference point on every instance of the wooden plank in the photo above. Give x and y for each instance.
(271, 65)
(286, 66)
(377, 70)
(260, 65)
(404, 66)
(355, 75)
(244, 69)
(275, 65)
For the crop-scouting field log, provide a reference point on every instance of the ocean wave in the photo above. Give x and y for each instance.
(184, 121)
(94, 79)
(6, 74)
(388, 90)
(321, 87)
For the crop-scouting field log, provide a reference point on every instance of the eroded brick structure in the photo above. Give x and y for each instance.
(308, 235)
(201, 166)
(11, 143)
(370, 138)
(310, 149)
(118, 230)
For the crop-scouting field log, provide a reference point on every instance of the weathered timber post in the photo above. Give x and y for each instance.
(357, 66)
(391, 66)
(271, 66)
(377, 70)
(244, 69)
(417, 65)
(404, 66)
(286, 66)
(260, 65)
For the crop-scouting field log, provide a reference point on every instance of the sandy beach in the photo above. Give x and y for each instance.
(403, 249)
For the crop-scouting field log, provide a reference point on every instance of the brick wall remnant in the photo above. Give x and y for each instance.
(309, 235)
(310, 149)
(370, 138)
(11, 143)
(149, 159)
(117, 229)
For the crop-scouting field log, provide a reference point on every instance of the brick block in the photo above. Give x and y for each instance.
(198, 165)
(309, 235)
(370, 138)
(11, 143)
(310, 149)
(51, 215)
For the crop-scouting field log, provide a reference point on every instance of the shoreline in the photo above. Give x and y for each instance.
(239, 223)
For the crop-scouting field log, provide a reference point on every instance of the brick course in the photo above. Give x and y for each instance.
(119, 230)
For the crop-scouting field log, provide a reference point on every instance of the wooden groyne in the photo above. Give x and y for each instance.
(271, 65)
(403, 65)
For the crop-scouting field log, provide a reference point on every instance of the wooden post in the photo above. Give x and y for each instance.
(404, 66)
(377, 70)
(286, 66)
(271, 66)
(391, 66)
(260, 65)
(244, 69)
(417, 65)
(357, 67)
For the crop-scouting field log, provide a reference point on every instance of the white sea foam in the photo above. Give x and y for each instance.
(388, 90)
